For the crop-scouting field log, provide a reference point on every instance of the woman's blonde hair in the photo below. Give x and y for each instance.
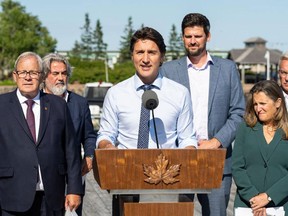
(272, 90)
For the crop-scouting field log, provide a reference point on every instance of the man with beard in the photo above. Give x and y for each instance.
(57, 71)
(217, 98)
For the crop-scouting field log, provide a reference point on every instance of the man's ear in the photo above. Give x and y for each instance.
(208, 37)
(14, 76)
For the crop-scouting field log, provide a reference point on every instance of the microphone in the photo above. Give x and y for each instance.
(150, 101)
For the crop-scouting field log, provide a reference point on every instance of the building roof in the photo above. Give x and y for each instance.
(254, 55)
(255, 40)
(254, 52)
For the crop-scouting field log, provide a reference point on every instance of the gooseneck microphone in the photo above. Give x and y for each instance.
(150, 101)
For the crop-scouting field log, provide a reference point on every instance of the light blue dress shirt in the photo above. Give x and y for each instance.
(173, 116)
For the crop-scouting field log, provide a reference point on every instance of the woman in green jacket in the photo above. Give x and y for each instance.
(260, 154)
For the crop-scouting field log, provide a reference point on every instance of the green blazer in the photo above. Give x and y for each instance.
(258, 167)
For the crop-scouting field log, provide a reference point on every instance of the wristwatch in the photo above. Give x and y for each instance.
(269, 199)
(90, 156)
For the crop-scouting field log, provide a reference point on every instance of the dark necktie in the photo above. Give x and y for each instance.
(30, 118)
(143, 134)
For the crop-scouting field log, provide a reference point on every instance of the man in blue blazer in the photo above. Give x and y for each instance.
(217, 97)
(57, 71)
(34, 169)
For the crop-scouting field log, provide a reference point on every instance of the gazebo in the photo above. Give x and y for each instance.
(255, 60)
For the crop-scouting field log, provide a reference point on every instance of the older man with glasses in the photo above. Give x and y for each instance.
(37, 147)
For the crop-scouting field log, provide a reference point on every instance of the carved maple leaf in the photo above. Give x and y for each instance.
(161, 173)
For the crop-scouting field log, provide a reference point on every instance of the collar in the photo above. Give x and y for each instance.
(285, 94)
(208, 62)
(156, 84)
(65, 97)
(22, 98)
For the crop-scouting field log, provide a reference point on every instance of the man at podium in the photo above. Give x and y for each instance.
(122, 123)
(126, 122)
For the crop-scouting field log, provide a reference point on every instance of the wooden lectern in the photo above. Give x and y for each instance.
(158, 171)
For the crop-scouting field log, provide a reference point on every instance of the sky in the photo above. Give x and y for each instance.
(232, 22)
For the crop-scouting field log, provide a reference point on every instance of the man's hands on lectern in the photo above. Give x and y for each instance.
(105, 144)
(209, 144)
(190, 147)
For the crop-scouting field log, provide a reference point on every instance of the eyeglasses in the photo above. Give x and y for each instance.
(32, 74)
(56, 73)
(283, 73)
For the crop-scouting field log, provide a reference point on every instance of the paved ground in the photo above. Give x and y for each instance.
(98, 202)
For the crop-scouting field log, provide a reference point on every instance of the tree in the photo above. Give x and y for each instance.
(77, 50)
(100, 47)
(175, 43)
(125, 42)
(20, 32)
(91, 44)
(86, 38)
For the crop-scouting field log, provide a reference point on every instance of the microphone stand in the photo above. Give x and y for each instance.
(155, 129)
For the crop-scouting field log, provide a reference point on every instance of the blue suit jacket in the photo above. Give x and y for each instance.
(55, 152)
(81, 117)
(226, 102)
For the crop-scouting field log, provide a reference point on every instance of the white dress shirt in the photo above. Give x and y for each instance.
(286, 99)
(121, 114)
(199, 79)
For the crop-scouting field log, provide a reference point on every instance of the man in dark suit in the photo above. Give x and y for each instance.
(57, 71)
(217, 97)
(37, 155)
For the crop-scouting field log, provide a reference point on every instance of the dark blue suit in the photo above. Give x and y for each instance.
(55, 152)
(85, 134)
(81, 117)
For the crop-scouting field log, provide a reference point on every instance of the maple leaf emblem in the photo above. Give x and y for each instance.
(161, 173)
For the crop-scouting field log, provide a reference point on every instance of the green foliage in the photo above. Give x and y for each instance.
(20, 32)
(99, 47)
(86, 70)
(88, 56)
(7, 82)
(92, 45)
(86, 38)
(76, 51)
(175, 46)
(92, 71)
(125, 54)
(121, 72)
